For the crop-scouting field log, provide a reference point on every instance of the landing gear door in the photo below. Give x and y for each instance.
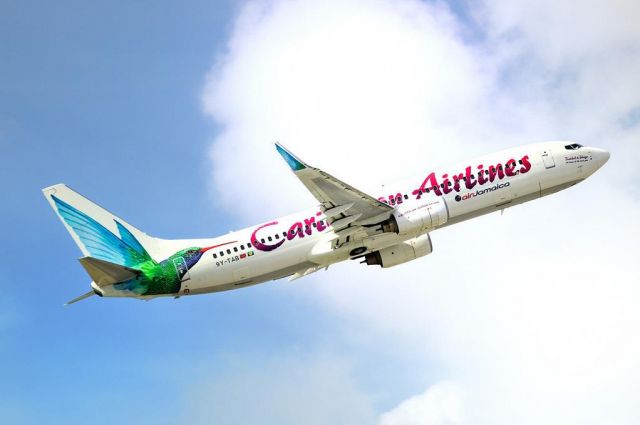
(183, 273)
(547, 159)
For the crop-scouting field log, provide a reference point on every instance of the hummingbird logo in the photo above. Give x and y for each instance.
(152, 277)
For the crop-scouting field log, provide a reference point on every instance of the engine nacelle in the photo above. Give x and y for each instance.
(409, 219)
(401, 253)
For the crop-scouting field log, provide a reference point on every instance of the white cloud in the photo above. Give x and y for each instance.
(441, 404)
(533, 313)
(561, 32)
(290, 388)
(339, 82)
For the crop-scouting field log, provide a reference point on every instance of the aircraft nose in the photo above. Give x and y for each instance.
(601, 156)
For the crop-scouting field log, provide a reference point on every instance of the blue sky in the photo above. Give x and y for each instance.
(166, 114)
(106, 98)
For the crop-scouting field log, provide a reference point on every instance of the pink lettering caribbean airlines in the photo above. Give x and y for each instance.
(296, 230)
(345, 224)
(484, 176)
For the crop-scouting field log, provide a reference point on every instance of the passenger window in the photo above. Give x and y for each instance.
(406, 196)
(215, 255)
(222, 253)
(235, 249)
(228, 251)
(270, 238)
(277, 235)
(242, 246)
(313, 224)
(248, 244)
(262, 240)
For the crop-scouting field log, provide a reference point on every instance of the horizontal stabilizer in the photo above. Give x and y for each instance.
(81, 297)
(105, 273)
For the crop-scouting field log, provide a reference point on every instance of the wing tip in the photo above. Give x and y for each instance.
(294, 163)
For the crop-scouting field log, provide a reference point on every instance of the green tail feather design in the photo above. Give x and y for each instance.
(156, 278)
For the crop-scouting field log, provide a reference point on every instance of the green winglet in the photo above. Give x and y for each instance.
(292, 160)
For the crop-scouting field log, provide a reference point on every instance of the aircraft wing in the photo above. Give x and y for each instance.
(344, 205)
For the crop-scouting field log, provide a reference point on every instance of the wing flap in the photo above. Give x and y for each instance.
(332, 212)
(347, 231)
(344, 222)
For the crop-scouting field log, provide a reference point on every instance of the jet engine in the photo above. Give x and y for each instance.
(411, 219)
(400, 253)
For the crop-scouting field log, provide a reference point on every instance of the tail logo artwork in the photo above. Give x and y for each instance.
(153, 278)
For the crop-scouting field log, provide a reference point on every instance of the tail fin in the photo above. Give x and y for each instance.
(94, 229)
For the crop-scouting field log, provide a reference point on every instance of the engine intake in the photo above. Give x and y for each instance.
(400, 253)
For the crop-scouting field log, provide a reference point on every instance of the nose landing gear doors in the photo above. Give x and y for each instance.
(183, 274)
(547, 159)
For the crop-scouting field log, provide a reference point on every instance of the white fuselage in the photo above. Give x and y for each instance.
(304, 242)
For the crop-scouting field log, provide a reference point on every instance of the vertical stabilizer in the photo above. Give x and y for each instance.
(97, 232)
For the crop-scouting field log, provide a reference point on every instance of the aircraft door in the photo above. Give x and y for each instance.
(183, 273)
(547, 159)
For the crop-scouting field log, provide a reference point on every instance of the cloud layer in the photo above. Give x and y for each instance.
(292, 388)
(531, 315)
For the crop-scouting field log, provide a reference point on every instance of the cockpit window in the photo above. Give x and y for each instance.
(573, 147)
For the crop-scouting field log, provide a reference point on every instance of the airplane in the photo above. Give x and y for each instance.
(386, 230)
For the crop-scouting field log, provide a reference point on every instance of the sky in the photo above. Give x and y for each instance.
(166, 114)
